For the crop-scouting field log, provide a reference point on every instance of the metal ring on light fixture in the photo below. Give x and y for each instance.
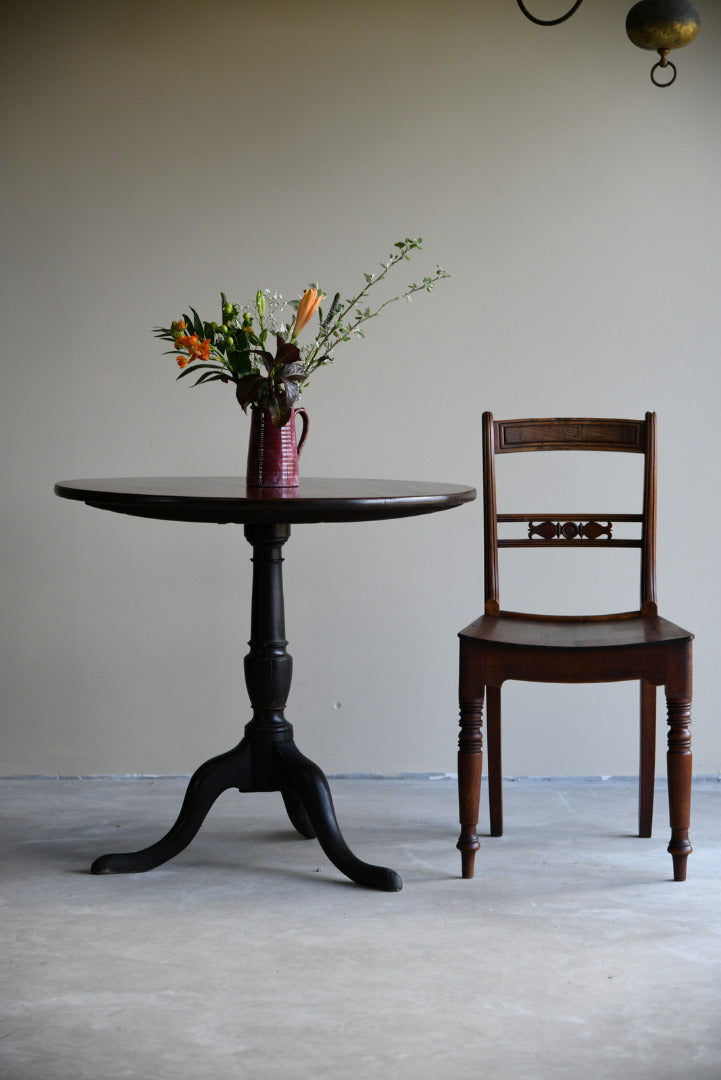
(548, 22)
(663, 63)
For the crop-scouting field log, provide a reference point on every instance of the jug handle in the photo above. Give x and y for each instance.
(304, 432)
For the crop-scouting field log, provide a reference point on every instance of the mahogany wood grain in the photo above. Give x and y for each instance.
(632, 645)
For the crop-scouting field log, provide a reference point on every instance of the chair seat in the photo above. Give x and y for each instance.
(541, 632)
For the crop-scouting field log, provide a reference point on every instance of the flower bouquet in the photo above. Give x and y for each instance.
(235, 350)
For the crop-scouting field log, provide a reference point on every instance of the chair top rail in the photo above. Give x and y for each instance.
(569, 433)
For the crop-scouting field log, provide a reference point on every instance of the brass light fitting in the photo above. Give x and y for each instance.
(650, 24)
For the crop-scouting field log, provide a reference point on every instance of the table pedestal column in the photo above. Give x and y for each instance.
(267, 758)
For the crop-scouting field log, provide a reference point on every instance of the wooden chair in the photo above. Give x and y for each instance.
(637, 645)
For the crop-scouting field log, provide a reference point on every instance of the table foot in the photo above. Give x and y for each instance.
(297, 813)
(308, 783)
(232, 769)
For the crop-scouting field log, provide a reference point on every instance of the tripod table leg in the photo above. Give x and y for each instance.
(310, 786)
(215, 776)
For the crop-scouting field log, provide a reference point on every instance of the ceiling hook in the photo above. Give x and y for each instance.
(548, 22)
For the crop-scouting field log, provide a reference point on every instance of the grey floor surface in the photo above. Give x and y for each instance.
(571, 954)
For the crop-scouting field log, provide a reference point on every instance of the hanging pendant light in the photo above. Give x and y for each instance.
(662, 25)
(651, 24)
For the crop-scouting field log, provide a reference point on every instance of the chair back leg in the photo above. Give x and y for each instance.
(494, 755)
(647, 758)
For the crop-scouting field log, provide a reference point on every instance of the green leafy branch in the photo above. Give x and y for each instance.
(337, 327)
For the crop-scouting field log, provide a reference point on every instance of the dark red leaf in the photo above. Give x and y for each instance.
(248, 389)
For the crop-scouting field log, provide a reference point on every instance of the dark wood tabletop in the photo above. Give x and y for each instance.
(224, 499)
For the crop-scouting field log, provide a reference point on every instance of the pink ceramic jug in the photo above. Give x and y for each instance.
(273, 452)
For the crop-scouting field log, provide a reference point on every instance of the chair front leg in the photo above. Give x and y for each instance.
(678, 763)
(470, 765)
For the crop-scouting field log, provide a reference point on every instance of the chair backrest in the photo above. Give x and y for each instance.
(553, 529)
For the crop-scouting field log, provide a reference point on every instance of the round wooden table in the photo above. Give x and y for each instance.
(266, 759)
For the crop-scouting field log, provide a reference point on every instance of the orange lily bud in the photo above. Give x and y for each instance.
(306, 310)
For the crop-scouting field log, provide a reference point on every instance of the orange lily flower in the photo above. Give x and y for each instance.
(195, 348)
(306, 310)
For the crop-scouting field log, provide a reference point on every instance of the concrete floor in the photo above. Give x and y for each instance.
(571, 955)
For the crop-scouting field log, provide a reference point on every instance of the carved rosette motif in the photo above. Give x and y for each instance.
(570, 531)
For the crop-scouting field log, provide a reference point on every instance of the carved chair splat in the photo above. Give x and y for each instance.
(633, 645)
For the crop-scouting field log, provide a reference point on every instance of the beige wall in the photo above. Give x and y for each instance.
(156, 153)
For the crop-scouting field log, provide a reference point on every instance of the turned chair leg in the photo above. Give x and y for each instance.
(647, 758)
(470, 765)
(493, 751)
(678, 764)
